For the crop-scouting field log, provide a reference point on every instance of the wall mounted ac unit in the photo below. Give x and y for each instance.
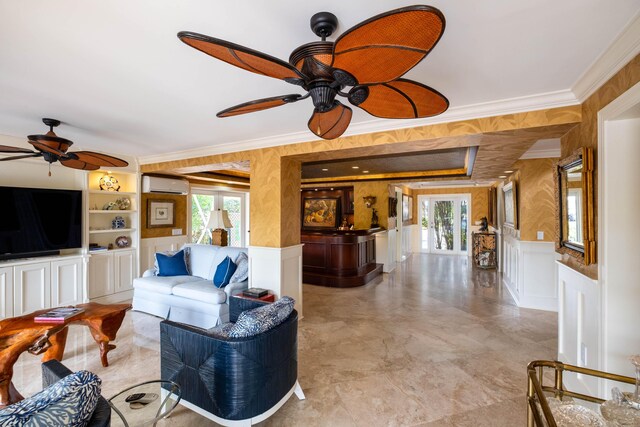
(156, 184)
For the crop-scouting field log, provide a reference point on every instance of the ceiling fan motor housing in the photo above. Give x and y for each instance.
(323, 96)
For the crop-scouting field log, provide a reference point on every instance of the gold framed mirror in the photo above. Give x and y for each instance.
(575, 224)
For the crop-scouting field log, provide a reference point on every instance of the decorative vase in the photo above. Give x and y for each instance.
(118, 222)
(123, 242)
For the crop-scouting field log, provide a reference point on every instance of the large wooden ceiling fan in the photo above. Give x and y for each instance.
(53, 148)
(369, 58)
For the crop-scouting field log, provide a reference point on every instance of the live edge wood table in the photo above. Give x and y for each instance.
(20, 334)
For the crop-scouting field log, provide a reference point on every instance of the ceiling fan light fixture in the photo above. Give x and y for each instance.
(52, 148)
(370, 57)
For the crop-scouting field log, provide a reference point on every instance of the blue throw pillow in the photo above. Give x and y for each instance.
(224, 271)
(69, 402)
(172, 265)
(261, 319)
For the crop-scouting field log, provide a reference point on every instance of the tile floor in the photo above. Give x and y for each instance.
(436, 343)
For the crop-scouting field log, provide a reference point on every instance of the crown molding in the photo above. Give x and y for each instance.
(522, 104)
(623, 49)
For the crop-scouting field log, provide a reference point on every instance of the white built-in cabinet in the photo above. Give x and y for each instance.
(36, 284)
(111, 274)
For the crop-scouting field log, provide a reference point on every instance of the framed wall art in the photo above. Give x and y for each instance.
(510, 205)
(160, 213)
(320, 213)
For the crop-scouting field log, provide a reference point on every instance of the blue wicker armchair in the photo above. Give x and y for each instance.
(232, 381)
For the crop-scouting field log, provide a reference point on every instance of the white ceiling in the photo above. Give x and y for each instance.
(117, 76)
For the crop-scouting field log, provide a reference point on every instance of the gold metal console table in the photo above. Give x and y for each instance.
(538, 407)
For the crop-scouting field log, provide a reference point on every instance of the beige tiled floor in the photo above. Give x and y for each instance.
(435, 343)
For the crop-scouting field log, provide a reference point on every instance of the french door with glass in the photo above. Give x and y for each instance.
(203, 201)
(444, 224)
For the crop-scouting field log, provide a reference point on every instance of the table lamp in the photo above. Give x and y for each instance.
(218, 222)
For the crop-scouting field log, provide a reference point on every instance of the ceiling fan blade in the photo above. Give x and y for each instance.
(401, 99)
(258, 105)
(243, 57)
(97, 159)
(330, 124)
(4, 159)
(46, 148)
(383, 48)
(9, 149)
(79, 164)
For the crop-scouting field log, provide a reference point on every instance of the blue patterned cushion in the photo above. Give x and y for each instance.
(224, 271)
(69, 402)
(261, 319)
(221, 331)
(172, 265)
(242, 269)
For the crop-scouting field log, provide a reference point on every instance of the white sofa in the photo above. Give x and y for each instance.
(193, 299)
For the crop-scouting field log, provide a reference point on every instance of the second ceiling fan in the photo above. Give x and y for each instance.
(369, 58)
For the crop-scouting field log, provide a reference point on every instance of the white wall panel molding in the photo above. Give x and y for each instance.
(279, 270)
(149, 247)
(529, 273)
(579, 326)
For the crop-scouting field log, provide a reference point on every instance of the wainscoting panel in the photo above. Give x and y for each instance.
(149, 247)
(578, 327)
(529, 273)
(279, 270)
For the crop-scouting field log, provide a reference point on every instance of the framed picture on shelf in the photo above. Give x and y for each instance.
(160, 213)
(510, 205)
(320, 213)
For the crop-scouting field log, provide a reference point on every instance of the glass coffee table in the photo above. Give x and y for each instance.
(165, 396)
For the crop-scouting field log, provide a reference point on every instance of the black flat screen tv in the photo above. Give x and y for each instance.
(39, 221)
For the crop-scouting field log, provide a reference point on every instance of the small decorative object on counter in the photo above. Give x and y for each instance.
(344, 225)
(374, 218)
(123, 203)
(109, 183)
(123, 242)
(118, 222)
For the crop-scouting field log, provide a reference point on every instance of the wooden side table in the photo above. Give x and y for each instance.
(265, 298)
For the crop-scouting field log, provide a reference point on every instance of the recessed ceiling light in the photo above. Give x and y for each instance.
(316, 189)
(331, 188)
(355, 167)
(502, 176)
(324, 169)
(365, 171)
(508, 171)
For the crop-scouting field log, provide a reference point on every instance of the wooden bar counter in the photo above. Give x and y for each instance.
(339, 258)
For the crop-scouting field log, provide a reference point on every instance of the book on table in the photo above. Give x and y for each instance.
(58, 315)
(255, 292)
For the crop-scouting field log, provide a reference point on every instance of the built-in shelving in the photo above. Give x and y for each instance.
(112, 230)
(113, 211)
(111, 271)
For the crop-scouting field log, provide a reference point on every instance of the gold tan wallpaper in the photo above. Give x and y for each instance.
(180, 214)
(275, 171)
(362, 214)
(275, 199)
(586, 135)
(536, 199)
(479, 200)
